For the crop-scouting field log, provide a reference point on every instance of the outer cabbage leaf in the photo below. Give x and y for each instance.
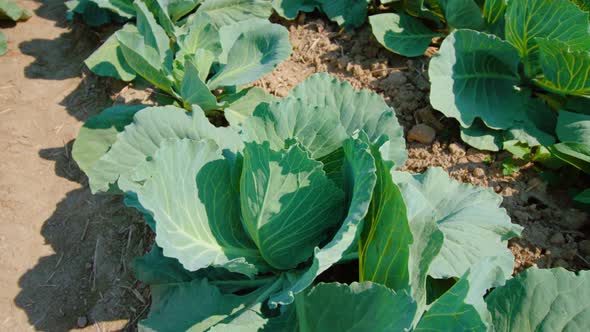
(326, 112)
(481, 137)
(338, 307)
(288, 203)
(108, 59)
(241, 105)
(194, 306)
(473, 224)
(99, 133)
(565, 71)
(197, 222)
(224, 12)
(462, 308)
(384, 244)
(542, 300)
(401, 33)
(143, 137)
(559, 20)
(359, 182)
(474, 75)
(254, 54)
(393, 252)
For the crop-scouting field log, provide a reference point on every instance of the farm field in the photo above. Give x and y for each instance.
(68, 254)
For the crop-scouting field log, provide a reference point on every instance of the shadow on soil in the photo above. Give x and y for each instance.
(88, 281)
(63, 58)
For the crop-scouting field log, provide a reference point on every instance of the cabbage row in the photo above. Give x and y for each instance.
(293, 214)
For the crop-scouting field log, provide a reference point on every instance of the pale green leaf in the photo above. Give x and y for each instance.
(190, 191)
(401, 33)
(99, 133)
(143, 59)
(479, 136)
(153, 34)
(542, 300)
(288, 203)
(321, 112)
(254, 54)
(241, 105)
(462, 308)
(225, 12)
(470, 218)
(108, 59)
(474, 75)
(200, 34)
(143, 137)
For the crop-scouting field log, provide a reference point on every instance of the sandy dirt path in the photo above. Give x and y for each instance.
(64, 254)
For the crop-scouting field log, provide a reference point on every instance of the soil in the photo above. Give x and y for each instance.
(66, 255)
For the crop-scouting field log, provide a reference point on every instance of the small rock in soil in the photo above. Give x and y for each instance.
(421, 133)
(584, 247)
(479, 172)
(456, 150)
(82, 321)
(557, 238)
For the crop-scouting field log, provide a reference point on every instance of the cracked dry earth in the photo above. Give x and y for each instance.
(68, 252)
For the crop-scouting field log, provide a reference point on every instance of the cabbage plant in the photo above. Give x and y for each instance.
(190, 61)
(248, 217)
(347, 13)
(522, 87)
(99, 12)
(411, 26)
